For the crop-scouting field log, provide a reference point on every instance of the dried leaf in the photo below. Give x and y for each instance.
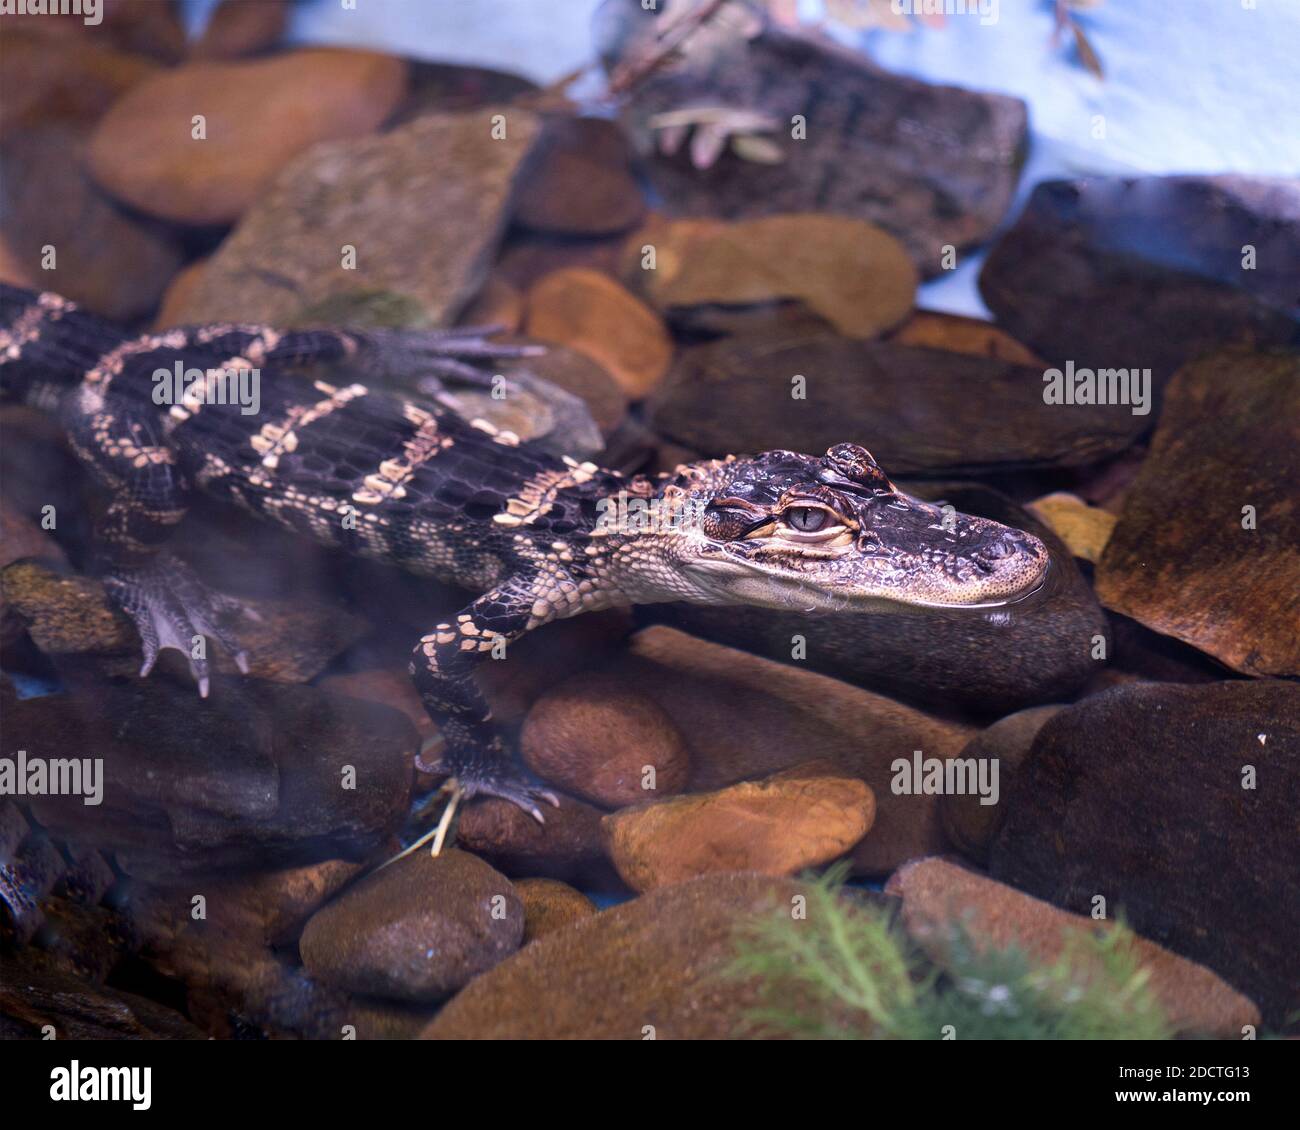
(760, 150)
(1087, 56)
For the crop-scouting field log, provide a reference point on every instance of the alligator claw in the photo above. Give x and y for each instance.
(170, 606)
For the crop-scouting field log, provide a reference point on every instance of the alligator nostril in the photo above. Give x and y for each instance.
(1003, 547)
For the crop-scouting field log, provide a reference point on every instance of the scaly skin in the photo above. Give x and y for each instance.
(417, 487)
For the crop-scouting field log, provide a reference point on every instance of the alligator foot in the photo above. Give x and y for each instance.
(171, 607)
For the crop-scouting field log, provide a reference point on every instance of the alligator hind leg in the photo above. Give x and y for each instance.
(171, 607)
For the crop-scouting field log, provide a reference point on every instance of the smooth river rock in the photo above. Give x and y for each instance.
(417, 929)
(1177, 804)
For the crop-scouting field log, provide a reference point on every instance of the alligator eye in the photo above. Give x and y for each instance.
(806, 519)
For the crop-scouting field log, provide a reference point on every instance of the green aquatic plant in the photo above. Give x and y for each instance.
(842, 968)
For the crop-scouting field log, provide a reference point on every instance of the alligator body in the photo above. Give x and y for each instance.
(418, 487)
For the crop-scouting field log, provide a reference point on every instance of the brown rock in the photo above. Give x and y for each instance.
(652, 966)
(550, 905)
(1084, 529)
(21, 537)
(750, 717)
(104, 259)
(144, 151)
(70, 620)
(1174, 839)
(580, 376)
(971, 824)
(939, 897)
(268, 269)
(929, 329)
(597, 735)
(853, 274)
(911, 407)
(582, 182)
(530, 256)
(439, 88)
(46, 80)
(1182, 560)
(416, 930)
(499, 303)
(591, 313)
(238, 28)
(390, 685)
(568, 846)
(776, 827)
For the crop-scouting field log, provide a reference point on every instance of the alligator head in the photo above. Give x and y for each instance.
(792, 531)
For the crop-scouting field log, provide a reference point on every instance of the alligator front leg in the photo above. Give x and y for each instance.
(443, 666)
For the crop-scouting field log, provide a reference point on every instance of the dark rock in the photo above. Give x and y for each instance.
(568, 846)
(453, 87)
(656, 962)
(920, 411)
(1181, 560)
(443, 165)
(237, 29)
(935, 165)
(110, 262)
(990, 662)
(35, 993)
(581, 181)
(970, 824)
(416, 930)
(1137, 795)
(21, 537)
(1147, 272)
(254, 777)
(943, 902)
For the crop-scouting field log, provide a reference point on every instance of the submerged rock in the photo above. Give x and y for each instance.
(1176, 804)
(416, 930)
(1206, 544)
(260, 775)
(36, 996)
(943, 901)
(990, 662)
(376, 195)
(916, 409)
(550, 905)
(747, 717)
(145, 151)
(650, 968)
(935, 165)
(777, 826)
(598, 738)
(1148, 272)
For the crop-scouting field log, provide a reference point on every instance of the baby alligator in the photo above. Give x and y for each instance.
(416, 486)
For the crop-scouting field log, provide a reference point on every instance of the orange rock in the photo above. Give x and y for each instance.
(598, 737)
(590, 312)
(929, 329)
(776, 827)
(179, 293)
(938, 894)
(855, 275)
(1084, 529)
(550, 905)
(254, 121)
